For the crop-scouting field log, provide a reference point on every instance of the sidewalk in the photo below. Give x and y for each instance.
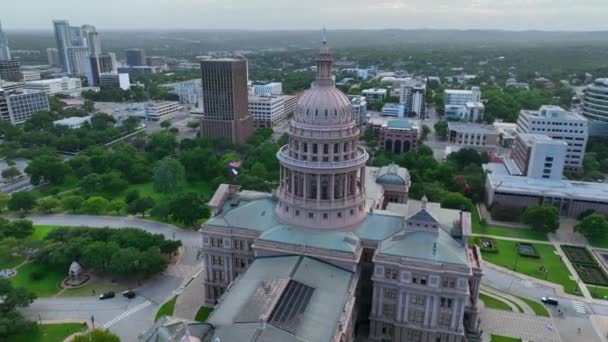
(503, 295)
(581, 285)
(498, 237)
(192, 296)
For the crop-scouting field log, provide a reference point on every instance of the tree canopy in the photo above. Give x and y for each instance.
(542, 218)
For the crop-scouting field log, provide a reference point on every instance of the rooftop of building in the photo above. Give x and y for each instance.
(169, 329)
(259, 306)
(500, 179)
(72, 120)
(375, 90)
(475, 104)
(458, 91)
(392, 106)
(400, 124)
(530, 138)
(393, 175)
(552, 112)
(470, 127)
(602, 82)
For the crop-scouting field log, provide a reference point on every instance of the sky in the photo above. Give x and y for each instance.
(575, 15)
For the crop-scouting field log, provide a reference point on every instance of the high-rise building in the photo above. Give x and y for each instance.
(538, 156)
(114, 61)
(100, 64)
(455, 97)
(80, 65)
(11, 71)
(595, 107)
(115, 80)
(135, 57)
(413, 92)
(91, 38)
(63, 40)
(5, 52)
(225, 100)
(76, 36)
(559, 124)
(155, 61)
(53, 57)
(270, 110)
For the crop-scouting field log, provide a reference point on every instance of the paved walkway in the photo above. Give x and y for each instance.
(497, 237)
(509, 298)
(510, 304)
(514, 324)
(191, 297)
(581, 285)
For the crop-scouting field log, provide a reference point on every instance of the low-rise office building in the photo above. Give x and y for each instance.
(559, 124)
(18, 105)
(161, 110)
(470, 111)
(267, 88)
(538, 156)
(375, 95)
(268, 111)
(393, 109)
(453, 97)
(65, 85)
(189, 92)
(398, 136)
(478, 136)
(73, 122)
(115, 80)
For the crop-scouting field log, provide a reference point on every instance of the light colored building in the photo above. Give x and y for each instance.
(268, 111)
(478, 136)
(398, 136)
(18, 105)
(559, 124)
(413, 93)
(189, 92)
(455, 97)
(115, 80)
(5, 52)
(571, 198)
(31, 75)
(73, 122)
(507, 133)
(375, 95)
(62, 38)
(267, 88)
(326, 252)
(393, 109)
(64, 85)
(53, 56)
(471, 111)
(512, 82)
(161, 110)
(595, 107)
(80, 64)
(359, 105)
(538, 156)
(91, 38)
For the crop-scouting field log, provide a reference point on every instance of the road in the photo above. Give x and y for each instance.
(124, 317)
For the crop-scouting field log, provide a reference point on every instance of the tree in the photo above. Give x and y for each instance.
(97, 335)
(4, 197)
(425, 132)
(161, 144)
(193, 124)
(542, 218)
(11, 320)
(49, 168)
(22, 201)
(131, 195)
(456, 200)
(117, 206)
(47, 205)
(72, 202)
(168, 175)
(11, 173)
(593, 226)
(259, 170)
(18, 229)
(92, 184)
(165, 124)
(161, 210)
(188, 208)
(140, 205)
(441, 129)
(95, 205)
(113, 182)
(89, 106)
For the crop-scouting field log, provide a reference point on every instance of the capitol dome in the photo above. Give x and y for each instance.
(324, 106)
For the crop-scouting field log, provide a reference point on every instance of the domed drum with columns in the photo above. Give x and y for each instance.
(322, 168)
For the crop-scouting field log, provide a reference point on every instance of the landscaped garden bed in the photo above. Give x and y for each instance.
(527, 250)
(579, 255)
(591, 274)
(486, 245)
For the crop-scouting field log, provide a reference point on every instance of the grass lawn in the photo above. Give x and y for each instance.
(507, 257)
(10, 263)
(88, 290)
(598, 292)
(539, 308)
(497, 338)
(202, 314)
(147, 189)
(166, 309)
(45, 287)
(40, 232)
(49, 333)
(506, 232)
(494, 303)
(70, 182)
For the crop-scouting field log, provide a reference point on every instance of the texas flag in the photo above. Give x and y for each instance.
(234, 172)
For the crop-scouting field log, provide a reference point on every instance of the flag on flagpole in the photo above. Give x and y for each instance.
(235, 164)
(234, 172)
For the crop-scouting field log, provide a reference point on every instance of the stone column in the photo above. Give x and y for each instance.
(427, 312)
(435, 311)
(332, 184)
(456, 309)
(305, 190)
(292, 183)
(318, 189)
(345, 186)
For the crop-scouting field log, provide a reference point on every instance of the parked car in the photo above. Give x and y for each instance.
(549, 300)
(129, 294)
(106, 295)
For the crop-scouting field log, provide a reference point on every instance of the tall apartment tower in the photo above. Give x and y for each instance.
(5, 52)
(53, 56)
(64, 42)
(135, 57)
(225, 100)
(91, 38)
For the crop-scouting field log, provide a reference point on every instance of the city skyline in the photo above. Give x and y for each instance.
(586, 15)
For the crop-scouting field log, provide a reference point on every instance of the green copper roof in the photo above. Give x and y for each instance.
(331, 240)
(393, 175)
(420, 245)
(378, 227)
(254, 215)
(399, 124)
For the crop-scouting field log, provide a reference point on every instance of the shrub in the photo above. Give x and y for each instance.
(36, 276)
(579, 255)
(593, 275)
(502, 212)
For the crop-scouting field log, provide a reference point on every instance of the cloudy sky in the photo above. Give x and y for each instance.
(310, 14)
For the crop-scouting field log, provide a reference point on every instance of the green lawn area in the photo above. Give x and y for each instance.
(147, 189)
(507, 257)
(496, 338)
(166, 309)
(494, 303)
(598, 292)
(70, 182)
(10, 262)
(45, 287)
(539, 308)
(49, 333)
(97, 287)
(202, 314)
(40, 232)
(529, 234)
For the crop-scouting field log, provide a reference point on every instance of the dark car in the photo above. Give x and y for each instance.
(129, 294)
(549, 300)
(107, 295)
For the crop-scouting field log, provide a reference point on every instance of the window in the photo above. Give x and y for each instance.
(314, 148)
(240, 263)
(415, 316)
(418, 279)
(445, 319)
(325, 148)
(339, 214)
(387, 329)
(325, 216)
(390, 273)
(238, 244)
(311, 215)
(388, 310)
(217, 242)
(305, 147)
(217, 260)
(448, 283)
(417, 300)
(390, 293)
(297, 213)
(445, 302)
(218, 275)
